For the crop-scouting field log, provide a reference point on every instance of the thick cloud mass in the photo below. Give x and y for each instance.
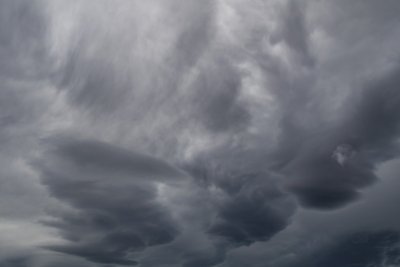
(115, 201)
(358, 249)
(329, 177)
(199, 133)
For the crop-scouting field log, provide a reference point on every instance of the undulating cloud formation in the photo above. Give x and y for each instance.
(199, 133)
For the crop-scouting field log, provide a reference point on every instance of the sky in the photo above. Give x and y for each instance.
(199, 133)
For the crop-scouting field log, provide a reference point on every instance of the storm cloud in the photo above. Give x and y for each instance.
(199, 133)
(109, 188)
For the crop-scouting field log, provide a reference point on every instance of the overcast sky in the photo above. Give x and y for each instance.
(199, 133)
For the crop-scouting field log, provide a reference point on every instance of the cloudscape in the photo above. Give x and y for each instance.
(199, 133)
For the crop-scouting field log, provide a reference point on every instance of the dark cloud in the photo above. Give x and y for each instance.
(107, 158)
(322, 182)
(374, 125)
(114, 200)
(327, 177)
(217, 98)
(357, 250)
(217, 116)
(24, 69)
(196, 261)
(17, 262)
(248, 206)
(253, 210)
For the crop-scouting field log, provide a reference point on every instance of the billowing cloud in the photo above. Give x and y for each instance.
(114, 198)
(254, 210)
(332, 170)
(198, 133)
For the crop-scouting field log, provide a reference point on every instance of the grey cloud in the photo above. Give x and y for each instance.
(196, 35)
(107, 158)
(18, 262)
(321, 182)
(217, 98)
(91, 82)
(44, 259)
(374, 123)
(195, 260)
(116, 211)
(371, 129)
(310, 135)
(358, 249)
(24, 69)
(247, 201)
(95, 82)
(255, 210)
(22, 40)
(258, 104)
(294, 32)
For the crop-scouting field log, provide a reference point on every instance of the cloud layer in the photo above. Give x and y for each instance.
(199, 133)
